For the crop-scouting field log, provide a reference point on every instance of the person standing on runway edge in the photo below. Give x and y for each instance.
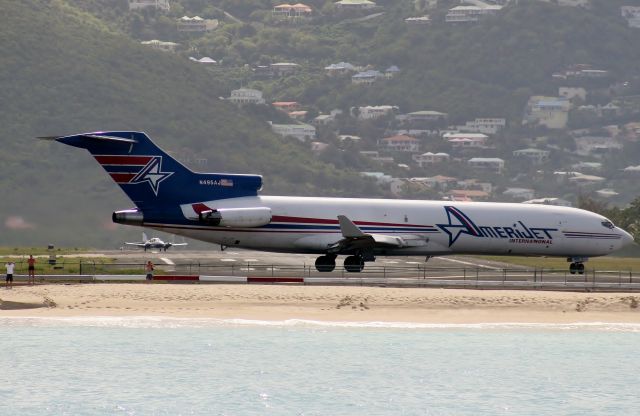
(32, 269)
(10, 266)
(149, 269)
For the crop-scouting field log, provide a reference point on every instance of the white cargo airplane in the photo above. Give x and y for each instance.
(226, 209)
(154, 242)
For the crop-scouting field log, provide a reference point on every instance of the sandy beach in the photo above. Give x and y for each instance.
(326, 303)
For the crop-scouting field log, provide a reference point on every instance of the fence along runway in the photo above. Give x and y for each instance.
(240, 266)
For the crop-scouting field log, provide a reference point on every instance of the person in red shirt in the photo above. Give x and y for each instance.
(32, 269)
(149, 268)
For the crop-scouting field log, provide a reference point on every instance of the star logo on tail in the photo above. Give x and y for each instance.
(458, 224)
(153, 174)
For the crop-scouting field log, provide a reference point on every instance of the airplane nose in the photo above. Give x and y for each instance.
(626, 238)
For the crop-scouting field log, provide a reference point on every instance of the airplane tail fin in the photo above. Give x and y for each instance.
(144, 237)
(150, 177)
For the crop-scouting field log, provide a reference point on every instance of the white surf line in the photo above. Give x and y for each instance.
(167, 261)
(470, 264)
(228, 260)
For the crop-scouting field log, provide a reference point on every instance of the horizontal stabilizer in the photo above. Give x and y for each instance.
(388, 240)
(348, 228)
(85, 141)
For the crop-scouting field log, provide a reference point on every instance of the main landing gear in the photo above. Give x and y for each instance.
(352, 264)
(326, 263)
(577, 265)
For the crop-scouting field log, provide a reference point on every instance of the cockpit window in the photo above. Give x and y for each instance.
(608, 224)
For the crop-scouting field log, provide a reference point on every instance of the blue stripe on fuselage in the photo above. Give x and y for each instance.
(337, 228)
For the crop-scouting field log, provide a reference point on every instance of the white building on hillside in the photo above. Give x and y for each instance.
(418, 21)
(340, 68)
(196, 24)
(572, 92)
(484, 125)
(143, 4)
(536, 156)
(595, 145)
(430, 158)
(282, 69)
(354, 4)
(551, 112)
(493, 164)
(632, 14)
(246, 96)
(570, 3)
(204, 60)
(466, 14)
(160, 45)
(292, 11)
(519, 193)
(422, 116)
(366, 77)
(400, 143)
(302, 132)
(476, 140)
(372, 112)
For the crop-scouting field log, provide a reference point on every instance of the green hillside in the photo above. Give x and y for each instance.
(63, 71)
(489, 68)
(77, 65)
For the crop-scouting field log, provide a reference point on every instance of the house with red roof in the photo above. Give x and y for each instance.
(290, 11)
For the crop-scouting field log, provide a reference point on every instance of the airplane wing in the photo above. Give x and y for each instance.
(135, 244)
(355, 239)
(179, 244)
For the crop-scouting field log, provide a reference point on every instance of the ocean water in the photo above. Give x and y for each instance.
(168, 366)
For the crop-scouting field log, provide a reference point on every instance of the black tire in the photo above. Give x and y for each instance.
(572, 268)
(580, 268)
(325, 264)
(353, 264)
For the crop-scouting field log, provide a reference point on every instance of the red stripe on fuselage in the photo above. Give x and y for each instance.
(123, 160)
(305, 220)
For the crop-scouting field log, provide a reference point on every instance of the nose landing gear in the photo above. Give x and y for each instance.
(577, 264)
(576, 268)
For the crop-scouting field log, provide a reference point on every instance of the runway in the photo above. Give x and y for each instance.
(241, 257)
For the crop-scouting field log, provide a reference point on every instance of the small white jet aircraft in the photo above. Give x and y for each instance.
(226, 209)
(154, 243)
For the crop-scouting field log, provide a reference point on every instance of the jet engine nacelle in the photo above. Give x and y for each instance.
(236, 217)
(128, 216)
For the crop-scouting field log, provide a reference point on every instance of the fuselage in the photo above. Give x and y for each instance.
(310, 225)
(227, 209)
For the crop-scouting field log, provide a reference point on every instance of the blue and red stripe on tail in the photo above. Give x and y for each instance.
(151, 178)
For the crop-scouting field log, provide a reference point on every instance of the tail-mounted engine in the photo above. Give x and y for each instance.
(236, 217)
(128, 216)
